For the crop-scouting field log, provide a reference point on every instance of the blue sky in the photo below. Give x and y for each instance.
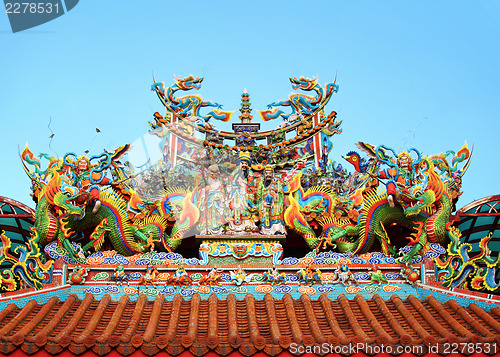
(412, 74)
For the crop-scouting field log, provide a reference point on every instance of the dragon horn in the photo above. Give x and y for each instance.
(466, 166)
(335, 80)
(26, 169)
(419, 156)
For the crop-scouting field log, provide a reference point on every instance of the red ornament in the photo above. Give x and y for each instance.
(407, 271)
(413, 277)
(76, 279)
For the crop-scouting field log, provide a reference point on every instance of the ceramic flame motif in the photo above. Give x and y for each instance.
(307, 290)
(129, 290)
(352, 289)
(203, 289)
(264, 288)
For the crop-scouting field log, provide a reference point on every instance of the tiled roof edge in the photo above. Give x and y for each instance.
(41, 296)
(443, 295)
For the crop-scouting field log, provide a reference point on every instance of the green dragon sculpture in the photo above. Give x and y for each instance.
(301, 103)
(62, 216)
(425, 209)
(22, 263)
(460, 269)
(189, 105)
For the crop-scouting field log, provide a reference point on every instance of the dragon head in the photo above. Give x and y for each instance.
(188, 82)
(415, 199)
(421, 196)
(67, 198)
(304, 83)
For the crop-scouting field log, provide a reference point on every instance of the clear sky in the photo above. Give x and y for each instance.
(423, 74)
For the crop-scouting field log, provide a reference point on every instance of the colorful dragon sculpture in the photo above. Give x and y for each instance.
(23, 263)
(84, 206)
(301, 103)
(62, 217)
(424, 208)
(461, 269)
(375, 216)
(63, 213)
(316, 202)
(189, 106)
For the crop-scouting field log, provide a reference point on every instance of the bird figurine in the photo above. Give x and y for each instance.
(359, 164)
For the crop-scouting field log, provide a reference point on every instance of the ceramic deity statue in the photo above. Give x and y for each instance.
(241, 197)
(270, 197)
(213, 204)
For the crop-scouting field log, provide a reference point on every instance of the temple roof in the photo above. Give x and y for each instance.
(479, 218)
(247, 325)
(16, 220)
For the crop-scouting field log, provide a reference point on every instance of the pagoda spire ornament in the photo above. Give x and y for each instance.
(245, 110)
(246, 128)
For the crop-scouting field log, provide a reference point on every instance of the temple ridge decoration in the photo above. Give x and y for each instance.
(258, 234)
(248, 188)
(241, 194)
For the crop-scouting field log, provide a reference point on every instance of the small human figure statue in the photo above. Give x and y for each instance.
(344, 268)
(271, 192)
(310, 275)
(274, 272)
(212, 274)
(271, 201)
(454, 187)
(119, 271)
(150, 277)
(269, 275)
(119, 275)
(275, 277)
(90, 182)
(399, 178)
(309, 271)
(149, 272)
(215, 275)
(344, 275)
(324, 150)
(316, 277)
(239, 276)
(180, 271)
